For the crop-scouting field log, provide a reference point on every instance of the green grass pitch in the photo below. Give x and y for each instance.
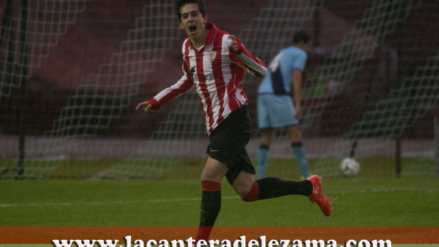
(406, 201)
(190, 168)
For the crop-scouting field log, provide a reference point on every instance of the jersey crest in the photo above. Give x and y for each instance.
(210, 55)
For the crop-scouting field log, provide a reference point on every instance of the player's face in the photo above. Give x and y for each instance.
(192, 21)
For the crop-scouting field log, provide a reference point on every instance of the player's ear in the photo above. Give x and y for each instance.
(205, 19)
(181, 25)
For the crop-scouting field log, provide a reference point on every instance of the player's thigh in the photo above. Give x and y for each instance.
(295, 133)
(243, 183)
(241, 163)
(230, 138)
(214, 170)
(281, 111)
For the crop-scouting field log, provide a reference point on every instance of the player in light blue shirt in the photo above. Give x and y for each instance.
(275, 107)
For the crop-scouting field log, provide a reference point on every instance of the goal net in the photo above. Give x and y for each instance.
(360, 101)
(85, 64)
(436, 134)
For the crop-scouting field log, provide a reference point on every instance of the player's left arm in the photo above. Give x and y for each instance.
(239, 54)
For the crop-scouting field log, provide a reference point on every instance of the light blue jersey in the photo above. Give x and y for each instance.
(275, 107)
(279, 76)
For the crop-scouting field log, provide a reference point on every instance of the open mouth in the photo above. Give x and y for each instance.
(192, 28)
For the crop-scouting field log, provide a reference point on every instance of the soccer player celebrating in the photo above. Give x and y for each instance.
(214, 63)
(275, 108)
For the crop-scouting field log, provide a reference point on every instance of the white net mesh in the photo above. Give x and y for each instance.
(357, 46)
(104, 95)
(372, 138)
(436, 128)
(47, 22)
(379, 127)
(90, 63)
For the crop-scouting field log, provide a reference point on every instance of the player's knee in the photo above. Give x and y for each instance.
(207, 176)
(294, 130)
(267, 137)
(241, 191)
(251, 194)
(296, 137)
(210, 175)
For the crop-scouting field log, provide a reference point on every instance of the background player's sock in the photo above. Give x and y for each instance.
(210, 207)
(262, 160)
(275, 187)
(299, 152)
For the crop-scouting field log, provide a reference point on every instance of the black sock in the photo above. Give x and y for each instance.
(275, 187)
(210, 207)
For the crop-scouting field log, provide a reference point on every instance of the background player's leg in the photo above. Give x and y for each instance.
(298, 150)
(266, 138)
(211, 177)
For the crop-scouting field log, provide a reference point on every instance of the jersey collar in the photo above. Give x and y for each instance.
(213, 30)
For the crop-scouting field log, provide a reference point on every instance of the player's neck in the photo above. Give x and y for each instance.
(298, 46)
(200, 41)
(303, 46)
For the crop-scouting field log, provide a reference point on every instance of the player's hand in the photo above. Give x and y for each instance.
(298, 114)
(233, 47)
(146, 106)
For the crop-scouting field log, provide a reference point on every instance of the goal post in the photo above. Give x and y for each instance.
(436, 135)
(23, 81)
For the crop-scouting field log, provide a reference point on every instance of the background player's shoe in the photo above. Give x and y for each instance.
(318, 196)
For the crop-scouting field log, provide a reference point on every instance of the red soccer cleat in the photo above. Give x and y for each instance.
(318, 196)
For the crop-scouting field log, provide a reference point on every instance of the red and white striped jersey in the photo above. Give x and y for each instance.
(216, 74)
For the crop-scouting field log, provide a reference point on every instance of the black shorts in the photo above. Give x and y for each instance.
(228, 141)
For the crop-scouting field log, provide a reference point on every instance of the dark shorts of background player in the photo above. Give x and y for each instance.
(228, 141)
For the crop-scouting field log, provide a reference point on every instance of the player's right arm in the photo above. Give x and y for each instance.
(168, 94)
(242, 56)
(297, 88)
(298, 67)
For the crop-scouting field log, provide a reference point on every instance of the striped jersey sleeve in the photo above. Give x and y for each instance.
(247, 60)
(170, 93)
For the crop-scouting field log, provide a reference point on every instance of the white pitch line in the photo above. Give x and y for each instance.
(120, 202)
(381, 190)
(198, 198)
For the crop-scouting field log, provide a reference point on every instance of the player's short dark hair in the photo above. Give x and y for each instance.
(301, 36)
(181, 3)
